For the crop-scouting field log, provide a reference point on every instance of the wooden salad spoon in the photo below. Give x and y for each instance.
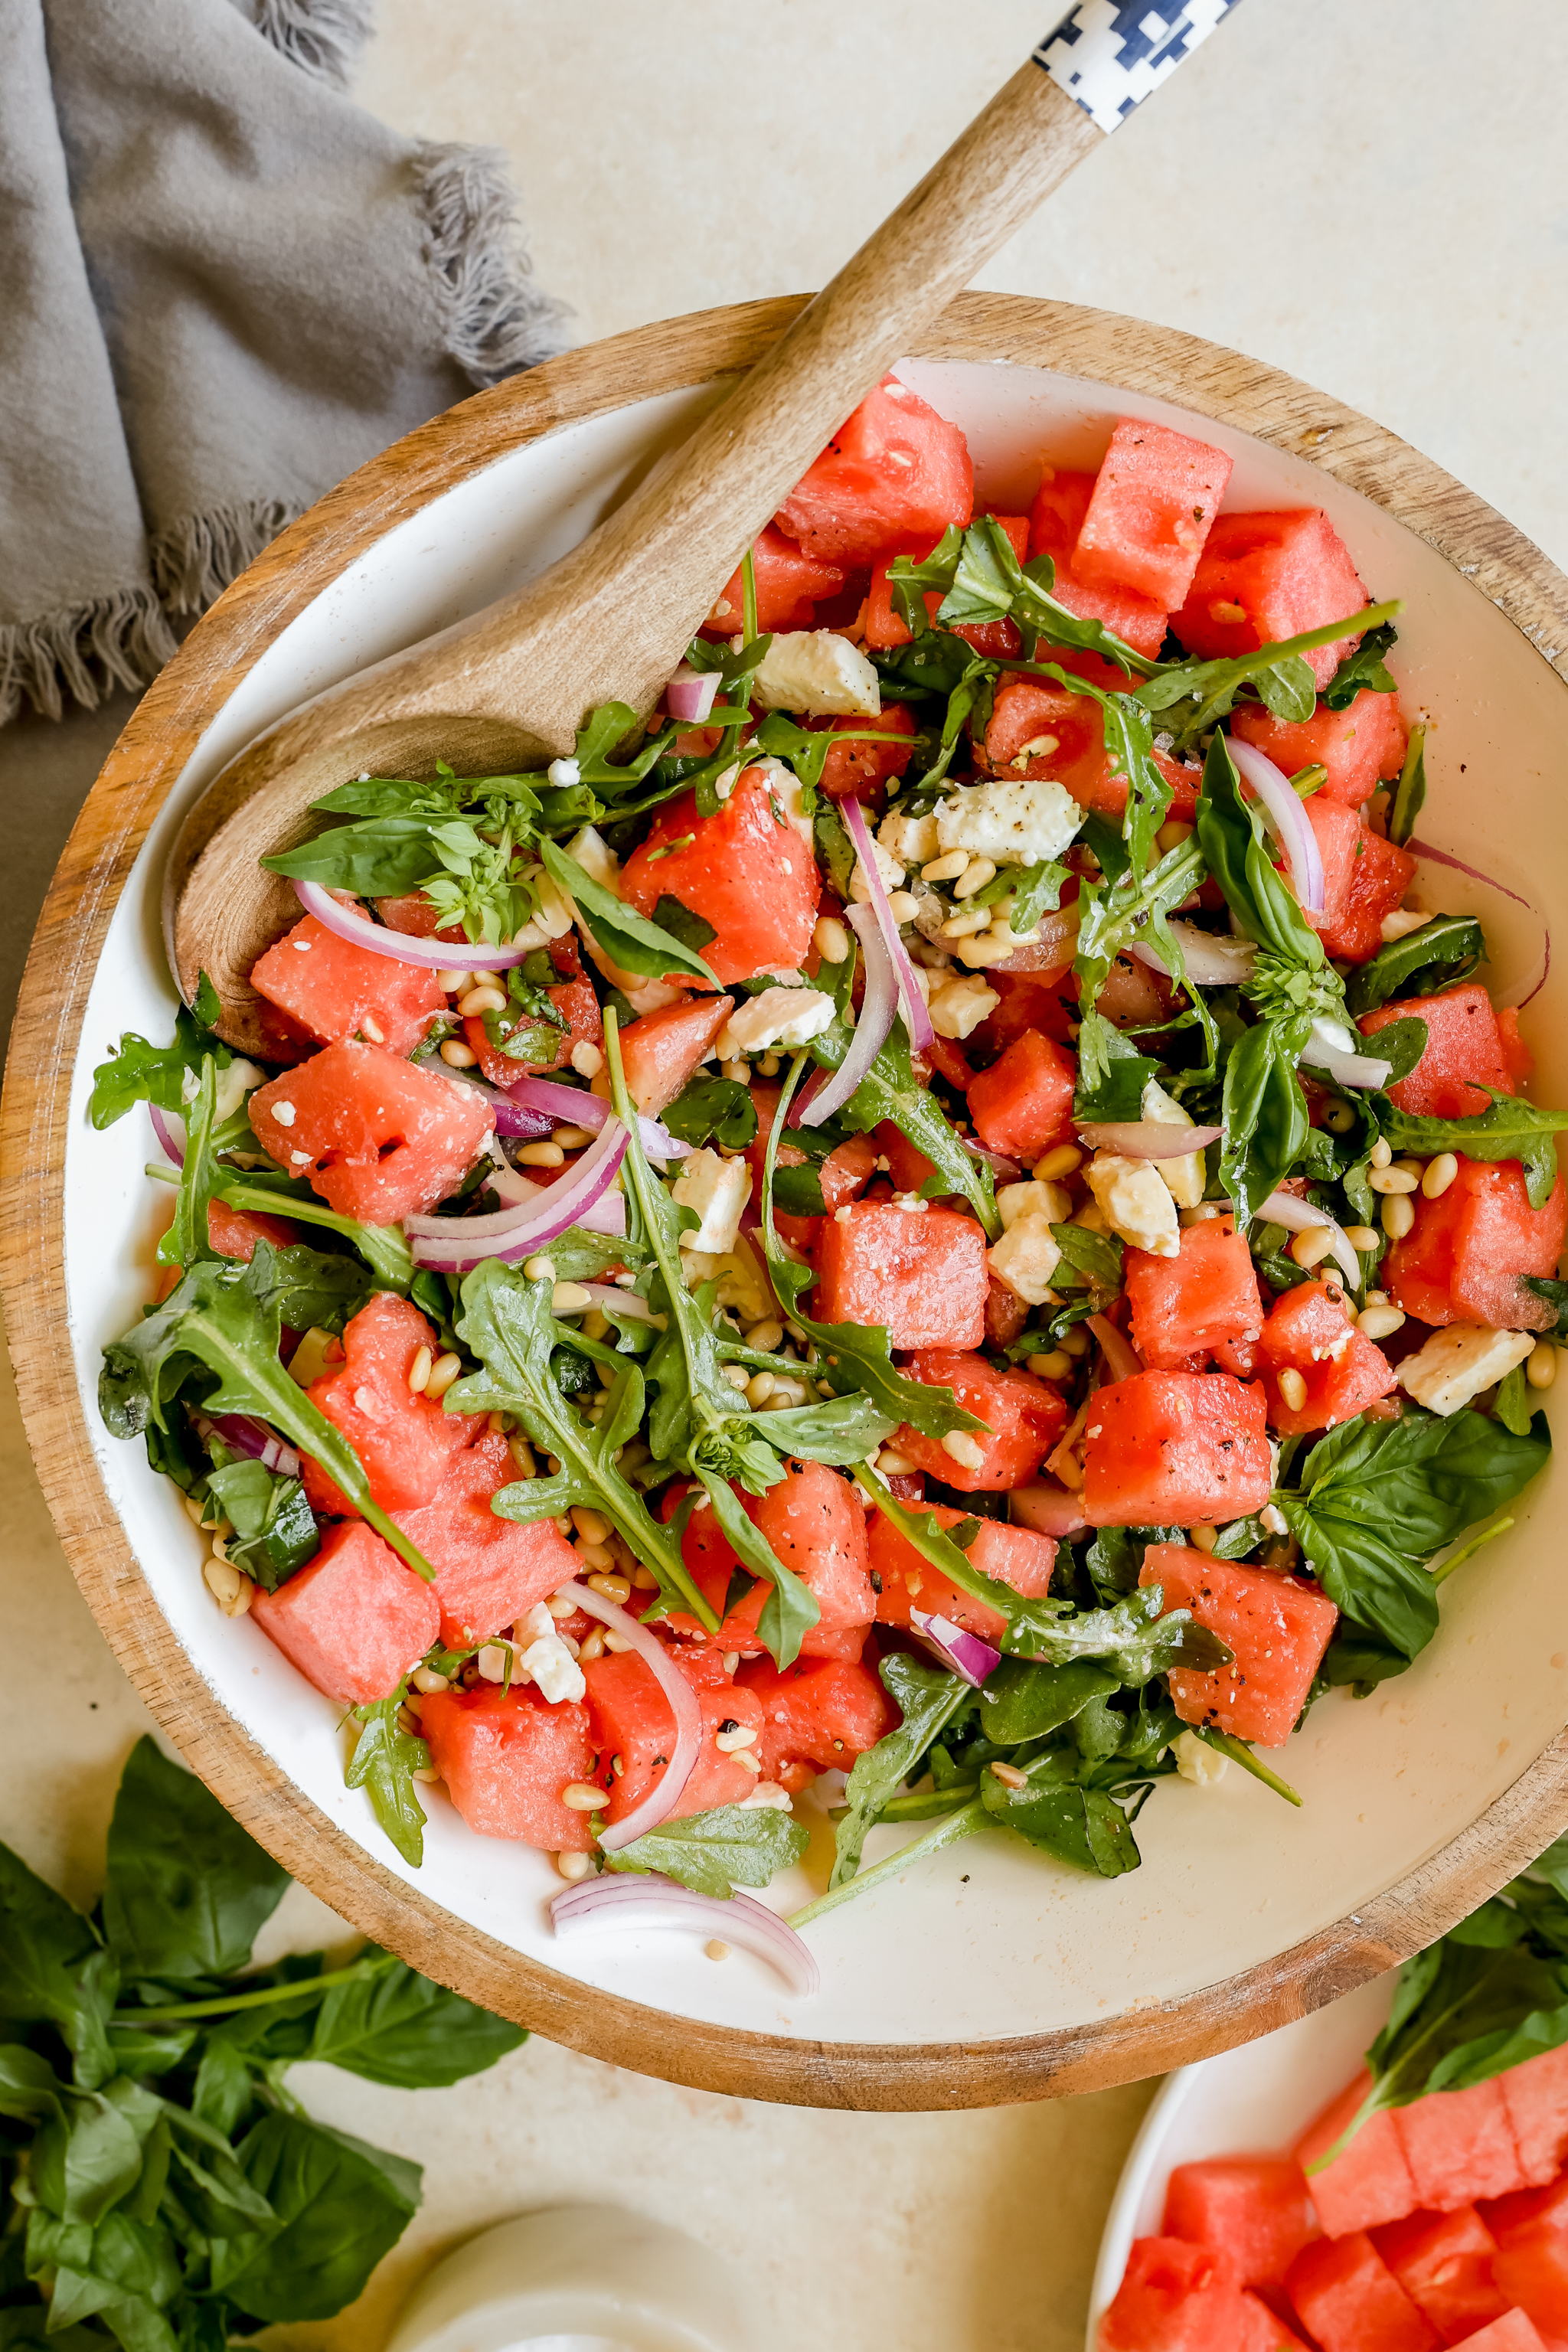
(507, 688)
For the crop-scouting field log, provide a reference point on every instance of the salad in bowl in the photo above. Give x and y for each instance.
(928, 1236)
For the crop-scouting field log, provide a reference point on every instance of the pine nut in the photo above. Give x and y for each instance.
(760, 1388)
(590, 1525)
(1362, 1238)
(614, 1641)
(1069, 1470)
(1380, 1155)
(974, 920)
(587, 1059)
(1398, 1216)
(1065, 1161)
(372, 1031)
(946, 869)
(569, 1298)
(450, 982)
(593, 1646)
(893, 1464)
(442, 1373)
(752, 1763)
(729, 1742)
(1440, 1173)
(740, 1073)
(1309, 1247)
(427, 1679)
(765, 1337)
(611, 1588)
(540, 1155)
(457, 1055)
(233, 1592)
(1541, 1365)
(786, 1395)
(738, 1377)
(1170, 835)
(572, 1139)
(539, 1269)
(1202, 1538)
(716, 1948)
(903, 905)
(480, 1000)
(975, 876)
(1010, 1776)
(1378, 1322)
(574, 1866)
(830, 939)
(1074, 1341)
(1054, 1365)
(1392, 1181)
(963, 1448)
(1292, 1389)
(419, 1371)
(582, 1796)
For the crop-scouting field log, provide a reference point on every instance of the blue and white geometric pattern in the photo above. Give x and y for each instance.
(1109, 54)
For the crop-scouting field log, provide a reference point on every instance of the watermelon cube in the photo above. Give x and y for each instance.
(1046, 730)
(1443, 2262)
(1155, 497)
(1536, 2097)
(1279, 1627)
(1360, 746)
(1203, 1298)
(1350, 2301)
(1459, 2146)
(1352, 927)
(1545, 2207)
(1310, 1330)
(334, 990)
(404, 1443)
(788, 584)
(821, 1711)
(1053, 526)
(660, 1052)
(1023, 1104)
(1262, 2329)
(1461, 1260)
(355, 1620)
(488, 1570)
(1176, 2297)
(904, 1578)
(1463, 1053)
(863, 768)
(744, 870)
(1531, 2271)
(1176, 1449)
(1369, 2181)
(1254, 2209)
(1340, 832)
(378, 1137)
(234, 1232)
(894, 476)
(1024, 1418)
(1514, 2332)
(816, 1527)
(505, 1757)
(634, 1731)
(923, 1275)
(1263, 577)
(574, 1004)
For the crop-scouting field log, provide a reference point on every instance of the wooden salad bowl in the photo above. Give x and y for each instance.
(1429, 1796)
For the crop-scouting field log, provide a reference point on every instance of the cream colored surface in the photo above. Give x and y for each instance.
(1350, 190)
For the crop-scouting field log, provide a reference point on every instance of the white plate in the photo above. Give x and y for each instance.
(990, 1941)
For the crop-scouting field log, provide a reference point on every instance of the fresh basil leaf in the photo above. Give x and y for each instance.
(1363, 670)
(384, 858)
(681, 924)
(384, 1763)
(1264, 1115)
(710, 1109)
(1509, 1129)
(715, 1851)
(797, 1191)
(1443, 952)
(310, 1288)
(1097, 1257)
(1400, 1044)
(629, 939)
(1230, 831)
(393, 2025)
(286, 1536)
(53, 1969)
(188, 1889)
(1119, 1093)
(928, 1699)
(1021, 1700)
(338, 2207)
(1410, 792)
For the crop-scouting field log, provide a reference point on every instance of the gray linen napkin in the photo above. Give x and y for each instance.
(222, 287)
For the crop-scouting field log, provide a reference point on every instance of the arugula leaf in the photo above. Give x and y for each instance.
(805, 748)
(709, 1109)
(393, 2025)
(1095, 1258)
(1509, 1129)
(1114, 916)
(1401, 1044)
(715, 1851)
(1275, 673)
(1443, 952)
(187, 1238)
(1410, 792)
(383, 1247)
(983, 581)
(384, 1763)
(188, 1889)
(312, 1289)
(629, 939)
(137, 1072)
(1119, 1095)
(928, 1699)
(1363, 668)
(1079, 1825)
(338, 2206)
(790, 1609)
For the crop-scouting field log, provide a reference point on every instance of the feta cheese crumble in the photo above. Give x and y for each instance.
(1196, 1761)
(817, 671)
(1135, 1202)
(1012, 820)
(1026, 1255)
(780, 1016)
(1460, 1361)
(910, 839)
(1185, 1178)
(717, 1191)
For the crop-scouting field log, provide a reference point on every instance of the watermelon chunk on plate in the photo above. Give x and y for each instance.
(1443, 2262)
(1264, 577)
(1253, 2208)
(1459, 2146)
(505, 1757)
(1536, 2097)
(1176, 2297)
(1350, 2301)
(379, 1139)
(1367, 2182)
(489, 1569)
(1277, 1626)
(894, 473)
(334, 989)
(1514, 2332)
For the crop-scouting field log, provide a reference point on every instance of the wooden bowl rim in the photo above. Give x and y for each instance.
(1155, 361)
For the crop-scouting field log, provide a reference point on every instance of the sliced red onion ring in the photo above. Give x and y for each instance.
(1346, 1069)
(1116, 1347)
(911, 1003)
(244, 1435)
(511, 1119)
(997, 1161)
(964, 1655)
(1291, 823)
(455, 1244)
(1048, 1509)
(1147, 1138)
(625, 1302)
(164, 1129)
(434, 955)
(1209, 958)
(576, 1106)
(683, 1705)
(878, 1007)
(1303, 1216)
(1534, 980)
(650, 1901)
(690, 694)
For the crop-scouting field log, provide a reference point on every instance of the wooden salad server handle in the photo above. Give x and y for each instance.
(507, 688)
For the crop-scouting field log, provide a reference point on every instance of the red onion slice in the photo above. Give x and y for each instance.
(1047, 1508)
(1303, 1216)
(997, 1161)
(1209, 959)
(457, 1245)
(574, 1105)
(432, 955)
(1291, 823)
(605, 1295)
(683, 1703)
(511, 1119)
(1534, 980)
(1147, 1138)
(964, 1655)
(1116, 1348)
(911, 1003)
(1345, 1069)
(690, 694)
(164, 1129)
(245, 1435)
(877, 1006)
(649, 1901)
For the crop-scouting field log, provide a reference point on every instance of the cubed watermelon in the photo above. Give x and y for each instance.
(1174, 2297)
(576, 1006)
(1514, 2332)
(744, 870)
(921, 1273)
(1025, 1417)
(905, 1579)
(1263, 577)
(863, 768)
(1279, 1627)
(634, 1732)
(820, 1711)
(505, 1757)
(234, 1232)
(1463, 1053)
(1310, 1330)
(1517, 2215)
(1536, 2097)
(1531, 2271)
(893, 475)
(1254, 2209)
(1203, 1298)
(1517, 1059)
(488, 1570)
(1351, 2300)
(1459, 2146)
(355, 1620)
(335, 990)
(1340, 833)
(886, 627)
(1360, 746)
(1048, 730)
(1055, 523)
(817, 1525)
(1462, 1259)
(1175, 1449)
(1443, 2262)
(412, 913)
(1154, 501)
(1369, 2181)
(1351, 931)
(379, 1138)
(404, 1443)
(662, 1051)
(1023, 1104)
(788, 581)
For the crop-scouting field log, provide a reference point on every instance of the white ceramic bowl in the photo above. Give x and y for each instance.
(990, 1948)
